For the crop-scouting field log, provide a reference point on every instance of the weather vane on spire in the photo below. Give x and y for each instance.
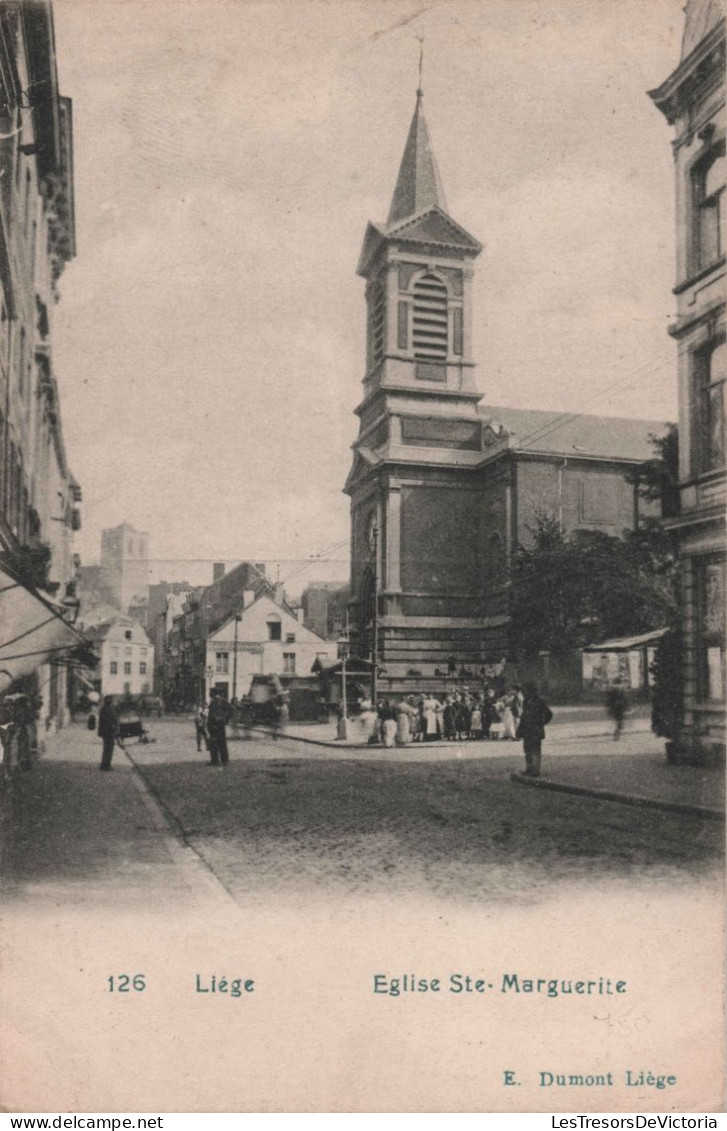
(420, 90)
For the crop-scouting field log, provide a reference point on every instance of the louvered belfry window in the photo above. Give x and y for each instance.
(377, 321)
(430, 318)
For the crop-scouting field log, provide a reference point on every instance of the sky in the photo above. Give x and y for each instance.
(209, 341)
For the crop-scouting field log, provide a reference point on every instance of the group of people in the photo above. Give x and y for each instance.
(461, 716)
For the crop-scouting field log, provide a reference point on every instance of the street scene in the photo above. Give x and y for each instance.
(291, 815)
(363, 470)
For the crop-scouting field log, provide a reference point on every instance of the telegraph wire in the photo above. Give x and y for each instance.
(561, 420)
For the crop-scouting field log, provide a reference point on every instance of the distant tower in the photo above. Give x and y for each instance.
(420, 436)
(125, 564)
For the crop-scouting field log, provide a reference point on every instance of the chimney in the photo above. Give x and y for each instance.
(218, 571)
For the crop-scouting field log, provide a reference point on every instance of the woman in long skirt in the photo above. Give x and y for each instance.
(508, 718)
(429, 711)
(403, 723)
(388, 725)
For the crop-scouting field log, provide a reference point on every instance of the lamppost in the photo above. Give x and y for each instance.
(342, 643)
(238, 618)
(209, 672)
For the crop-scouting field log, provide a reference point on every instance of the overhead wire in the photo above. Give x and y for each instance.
(548, 427)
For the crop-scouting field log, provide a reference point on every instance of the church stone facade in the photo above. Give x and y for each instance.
(442, 488)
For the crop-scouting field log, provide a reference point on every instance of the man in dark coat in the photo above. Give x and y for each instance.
(218, 717)
(535, 716)
(108, 730)
(616, 703)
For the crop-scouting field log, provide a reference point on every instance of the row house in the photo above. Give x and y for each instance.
(39, 496)
(265, 638)
(126, 658)
(183, 681)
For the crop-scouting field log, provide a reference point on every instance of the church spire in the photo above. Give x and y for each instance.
(418, 185)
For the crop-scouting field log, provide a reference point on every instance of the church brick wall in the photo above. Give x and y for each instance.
(440, 542)
(582, 497)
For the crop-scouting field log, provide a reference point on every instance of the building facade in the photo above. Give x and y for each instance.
(443, 488)
(126, 658)
(693, 101)
(324, 605)
(266, 638)
(203, 610)
(166, 599)
(39, 496)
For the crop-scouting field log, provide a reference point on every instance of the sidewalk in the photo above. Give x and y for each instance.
(633, 771)
(569, 723)
(74, 836)
(640, 779)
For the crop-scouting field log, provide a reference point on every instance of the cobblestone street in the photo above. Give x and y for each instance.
(288, 816)
(312, 870)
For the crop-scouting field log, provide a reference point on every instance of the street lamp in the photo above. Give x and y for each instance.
(238, 618)
(342, 643)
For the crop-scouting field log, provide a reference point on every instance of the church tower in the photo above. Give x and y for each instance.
(413, 485)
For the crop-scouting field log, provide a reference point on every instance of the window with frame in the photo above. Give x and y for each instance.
(711, 373)
(222, 662)
(127, 667)
(708, 183)
(274, 630)
(290, 638)
(430, 324)
(114, 667)
(289, 663)
(142, 668)
(127, 634)
(710, 581)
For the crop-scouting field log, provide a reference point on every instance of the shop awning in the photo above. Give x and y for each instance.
(626, 643)
(33, 630)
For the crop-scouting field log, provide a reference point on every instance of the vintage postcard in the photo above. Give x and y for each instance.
(362, 556)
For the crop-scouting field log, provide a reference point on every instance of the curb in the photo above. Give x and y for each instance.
(193, 865)
(334, 744)
(622, 798)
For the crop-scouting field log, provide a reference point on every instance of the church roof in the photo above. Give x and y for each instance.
(418, 185)
(574, 435)
(699, 19)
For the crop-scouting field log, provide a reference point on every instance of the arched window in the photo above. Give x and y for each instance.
(430, 326)
(709, 185)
